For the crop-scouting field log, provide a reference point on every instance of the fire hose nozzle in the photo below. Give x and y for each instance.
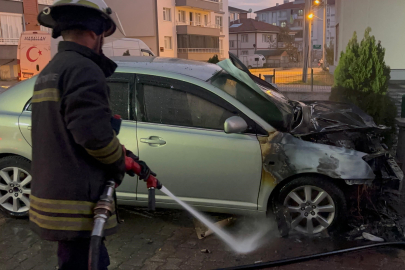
(152, 197)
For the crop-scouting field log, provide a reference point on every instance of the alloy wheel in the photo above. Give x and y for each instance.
(311, 209)
(15, 189)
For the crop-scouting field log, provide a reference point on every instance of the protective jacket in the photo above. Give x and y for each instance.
(74, 148)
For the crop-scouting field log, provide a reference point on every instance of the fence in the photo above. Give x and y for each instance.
(317, 80)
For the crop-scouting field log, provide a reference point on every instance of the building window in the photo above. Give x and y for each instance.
(328, 23)
(182, 16)
(168, 43)
(167, 16)
(283, 14)
(232, 17)
(300, 12)
(237, 16)
(245, 38)
(11, 27)
(275, 24)
(206, 20)
(283, 24)
(198, 19)
(218, 21)
(264, 17)
(245, 52)
(232, 43)
(265, 38)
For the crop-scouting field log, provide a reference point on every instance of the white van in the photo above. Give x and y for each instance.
(127, 47)
(253, 61)
(34, 53)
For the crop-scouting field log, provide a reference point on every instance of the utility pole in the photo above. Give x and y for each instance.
(305, 41)
(310, 44)
(325, 5)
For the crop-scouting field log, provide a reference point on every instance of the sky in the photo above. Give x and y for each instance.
(255, 5)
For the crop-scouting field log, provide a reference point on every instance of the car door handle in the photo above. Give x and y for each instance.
(29, 127)
(153, 140)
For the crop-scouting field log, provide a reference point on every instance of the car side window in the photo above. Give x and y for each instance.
(170, 106)
(119, 98)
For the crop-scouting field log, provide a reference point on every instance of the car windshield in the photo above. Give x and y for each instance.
(274, 109)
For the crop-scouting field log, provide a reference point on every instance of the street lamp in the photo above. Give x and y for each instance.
(310, 16)
(317, 2)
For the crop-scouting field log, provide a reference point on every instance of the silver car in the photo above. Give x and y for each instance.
(222, 140)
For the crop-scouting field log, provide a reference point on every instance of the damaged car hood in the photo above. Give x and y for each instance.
(328, 116)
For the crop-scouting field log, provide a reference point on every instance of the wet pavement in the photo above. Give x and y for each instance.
(168, 240)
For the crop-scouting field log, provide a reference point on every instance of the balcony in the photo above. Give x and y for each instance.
(9, 41)
(200, 4)
(198, 28)
(199, 54)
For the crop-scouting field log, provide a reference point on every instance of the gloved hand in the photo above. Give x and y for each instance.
(130, 159)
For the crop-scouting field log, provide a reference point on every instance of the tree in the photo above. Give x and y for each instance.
(126, 53)
(290, 46)
(330, 54)
(213, 59)
(361, 78)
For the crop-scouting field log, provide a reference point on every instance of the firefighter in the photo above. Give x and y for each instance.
(74, 146)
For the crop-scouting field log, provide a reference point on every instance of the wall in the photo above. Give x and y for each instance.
(167, 28)
(137, 16)
(386, 21)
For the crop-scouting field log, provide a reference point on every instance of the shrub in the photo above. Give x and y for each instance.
(361, 78)
(213, 59)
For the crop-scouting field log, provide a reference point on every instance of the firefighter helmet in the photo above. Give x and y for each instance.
(49, 16)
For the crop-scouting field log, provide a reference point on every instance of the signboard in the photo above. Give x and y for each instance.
(317, 47)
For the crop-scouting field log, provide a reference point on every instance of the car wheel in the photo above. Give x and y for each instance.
(15, 185)
(312, 204)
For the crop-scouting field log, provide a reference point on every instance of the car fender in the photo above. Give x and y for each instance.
(285, 156)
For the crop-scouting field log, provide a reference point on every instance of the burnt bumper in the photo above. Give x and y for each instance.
(386, 170)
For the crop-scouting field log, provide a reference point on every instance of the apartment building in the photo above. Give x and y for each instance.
(16, 16)
(291, 14)
(189, 29)
(234, 13)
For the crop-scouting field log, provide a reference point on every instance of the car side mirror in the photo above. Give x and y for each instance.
(235, 124)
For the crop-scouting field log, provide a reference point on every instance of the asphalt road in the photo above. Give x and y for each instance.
(168, 240)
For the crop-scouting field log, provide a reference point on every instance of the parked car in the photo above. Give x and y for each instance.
(221, 140)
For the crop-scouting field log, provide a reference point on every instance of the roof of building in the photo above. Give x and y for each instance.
(270, 52)
(237, 9)
(290, 5)
(251, 25)
(195, 69)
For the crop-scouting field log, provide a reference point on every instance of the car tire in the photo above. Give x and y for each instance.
(311, 205)
(15, 185)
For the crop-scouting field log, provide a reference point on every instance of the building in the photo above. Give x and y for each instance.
(189, 29)
(249, 36)
(15, 17)
(291, 14)
(234, 13)
(386, 21)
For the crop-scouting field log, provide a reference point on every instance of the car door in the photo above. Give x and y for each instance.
(180, 136)
(122, 103)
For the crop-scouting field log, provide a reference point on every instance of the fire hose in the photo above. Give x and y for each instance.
(301, 259)
(105, 208)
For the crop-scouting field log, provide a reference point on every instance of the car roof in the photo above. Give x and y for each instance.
(199, 70)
